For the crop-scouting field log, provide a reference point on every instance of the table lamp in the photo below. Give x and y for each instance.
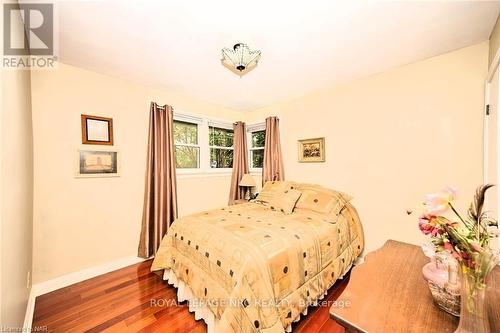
(247, 181)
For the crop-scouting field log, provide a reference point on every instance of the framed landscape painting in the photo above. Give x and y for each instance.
(312, 150)
(97, 163)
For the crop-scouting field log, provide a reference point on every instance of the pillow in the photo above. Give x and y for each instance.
(322, 200)
(319, 188)
(272, 187)
(284, 201)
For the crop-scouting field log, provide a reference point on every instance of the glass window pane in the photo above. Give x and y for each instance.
(187, 157)
(221, 158)
(258, 139)
(220, 137)
(185, 133)
(257, 158)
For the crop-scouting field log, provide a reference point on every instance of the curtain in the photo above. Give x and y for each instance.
(272, 167)
(160, 194)
(240, 161)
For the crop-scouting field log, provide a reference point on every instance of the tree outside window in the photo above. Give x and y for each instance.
(258, 139)
(220, 141)
(187, 149)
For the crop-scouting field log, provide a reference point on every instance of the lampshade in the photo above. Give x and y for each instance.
(240, 59)
(247, 180)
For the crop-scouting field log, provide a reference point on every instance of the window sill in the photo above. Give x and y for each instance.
(204, 173)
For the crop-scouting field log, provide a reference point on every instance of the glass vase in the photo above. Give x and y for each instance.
(473, 309)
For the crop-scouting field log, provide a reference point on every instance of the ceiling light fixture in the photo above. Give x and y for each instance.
(240, 59)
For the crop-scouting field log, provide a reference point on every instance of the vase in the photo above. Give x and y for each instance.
(474, 277)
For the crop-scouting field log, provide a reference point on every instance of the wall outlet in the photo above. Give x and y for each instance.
(28, 280)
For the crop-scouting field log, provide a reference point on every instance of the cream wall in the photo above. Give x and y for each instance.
(16, 194)
(392, 137)
(80, 223)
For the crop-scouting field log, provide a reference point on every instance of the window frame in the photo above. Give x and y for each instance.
(203, 144)
(188, 170)
(250, 130)
(225, 126)
(203, 124)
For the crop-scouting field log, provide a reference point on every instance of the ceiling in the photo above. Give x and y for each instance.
(306, 45)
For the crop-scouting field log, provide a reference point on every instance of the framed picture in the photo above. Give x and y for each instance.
(312, 150)
(97, 163)
(97, 130)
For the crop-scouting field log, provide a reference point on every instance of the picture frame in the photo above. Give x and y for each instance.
(311, 150)
(97, 163)
(97, 130)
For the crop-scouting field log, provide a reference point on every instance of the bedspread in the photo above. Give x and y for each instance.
(257, 269)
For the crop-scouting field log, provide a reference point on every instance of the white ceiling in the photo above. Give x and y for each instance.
(306, 45)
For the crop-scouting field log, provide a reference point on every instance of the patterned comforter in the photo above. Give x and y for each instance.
(257, 269)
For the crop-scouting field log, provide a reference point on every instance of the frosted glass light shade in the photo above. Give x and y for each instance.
(247, 181)
(240, 59)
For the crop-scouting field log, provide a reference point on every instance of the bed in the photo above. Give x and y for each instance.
(257, 266)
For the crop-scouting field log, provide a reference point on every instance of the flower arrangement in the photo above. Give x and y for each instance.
(468, 240)
(464, 238)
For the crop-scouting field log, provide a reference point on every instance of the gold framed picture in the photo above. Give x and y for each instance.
(97, 130)
(97, 163)
(312, 150)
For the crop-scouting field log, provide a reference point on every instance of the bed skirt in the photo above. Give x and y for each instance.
(184, 293)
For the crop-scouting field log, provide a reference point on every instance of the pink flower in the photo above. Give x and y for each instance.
(424, 225)
(448, 247)
(438, 203)
(452, 192)
(468, 260)
(428, 226)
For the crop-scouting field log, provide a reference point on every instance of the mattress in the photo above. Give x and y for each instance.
(247, 268)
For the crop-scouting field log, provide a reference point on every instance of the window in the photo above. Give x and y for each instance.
(220, 141)
(257, 140)
(187, 149)
(206, 146)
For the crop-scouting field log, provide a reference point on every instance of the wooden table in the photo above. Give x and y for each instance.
(387, 293)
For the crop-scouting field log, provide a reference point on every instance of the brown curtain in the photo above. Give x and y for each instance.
(160, 195)
(240, 161)
(272, 167)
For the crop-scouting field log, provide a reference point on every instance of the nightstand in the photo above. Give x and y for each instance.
(240, 201)
(388, 293)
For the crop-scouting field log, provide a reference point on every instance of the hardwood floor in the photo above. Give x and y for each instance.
(121, 301)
